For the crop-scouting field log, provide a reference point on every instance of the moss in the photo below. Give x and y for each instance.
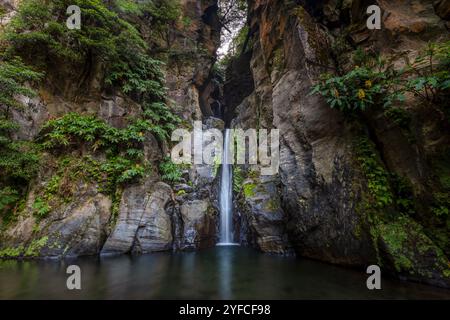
(395, 237)
(277, 61)
(377, 177)
(272, 205)
(34, 249)
(115, 207)
(407, 245)
(357, 231)
(238, 178)
(315, 39)
(249, 189)
(11, 252)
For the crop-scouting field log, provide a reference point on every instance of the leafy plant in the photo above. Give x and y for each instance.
(429, 75)
(41, 208)
(238, 179)
(107, 38)
(371, 84)
(8, 197)
(19, 160)
(377, 177)
(375, 82)
(170, 172)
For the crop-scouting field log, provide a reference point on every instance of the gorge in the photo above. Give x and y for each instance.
(86, 175)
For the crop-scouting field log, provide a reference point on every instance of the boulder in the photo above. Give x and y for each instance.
(143, 225)
(199, 228)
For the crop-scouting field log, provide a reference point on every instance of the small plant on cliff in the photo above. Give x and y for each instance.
(41, 208)
(370, 83)
(429, 75)
(375, 82)
(238, 178)
(170, 172)
(123, 147)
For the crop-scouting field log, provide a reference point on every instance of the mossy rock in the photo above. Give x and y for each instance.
(405, 247)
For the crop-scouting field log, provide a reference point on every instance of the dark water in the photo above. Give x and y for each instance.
(218, 273)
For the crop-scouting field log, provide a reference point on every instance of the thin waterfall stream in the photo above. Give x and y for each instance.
(226, 195)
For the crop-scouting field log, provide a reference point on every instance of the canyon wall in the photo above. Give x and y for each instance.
(319, 205)
(141, 217)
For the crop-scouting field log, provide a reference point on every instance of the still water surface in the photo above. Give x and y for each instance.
(218, 273)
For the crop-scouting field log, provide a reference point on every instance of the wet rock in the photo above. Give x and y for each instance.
(442, 8)
(198, 219)
(73, 229)
(320, 186)
(264, 218)
(183, 187)
(81, 230)
(30, 118)
(143, 224)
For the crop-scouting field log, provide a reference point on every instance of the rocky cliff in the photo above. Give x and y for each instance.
(66, 212)
(84, 166)
(321, 204)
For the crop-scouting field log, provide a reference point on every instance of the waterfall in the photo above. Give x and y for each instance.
(226, 195)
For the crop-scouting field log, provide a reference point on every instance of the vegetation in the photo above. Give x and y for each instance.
(370, 82)
(170, 172)
(238, 178)
(376, 175)
(374, 82)
(104, 38)
(19, 160)
(38, 36)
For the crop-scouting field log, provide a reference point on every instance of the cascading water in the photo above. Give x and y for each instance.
(226, 195)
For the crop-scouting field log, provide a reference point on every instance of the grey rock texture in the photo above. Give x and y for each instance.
(143, 224)
(320, 187)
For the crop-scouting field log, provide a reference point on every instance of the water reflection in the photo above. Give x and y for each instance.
(218, 273)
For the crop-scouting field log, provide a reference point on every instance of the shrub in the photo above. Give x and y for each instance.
(39, 34)
(19, 160)
(374, 82)
(170, 172)
(370, 84)
(41, 208)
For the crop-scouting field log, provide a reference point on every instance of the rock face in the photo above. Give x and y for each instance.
(199, 225)
(143, 224)
(315, 204)
(74, 229)
(263, 223)
(146, 216)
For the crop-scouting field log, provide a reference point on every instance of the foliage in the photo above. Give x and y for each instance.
(375, 82)
(39, 29)
(163, 120)
(370, 84)
(238, 179)
(11, 252)
(249, 189)
(123, 147)
(41, 208)
(377, 177)
(442, 204)
(170, 172)
(404, 197)
(35, 247)
(429, 75)
(13, 74)
(8, 197)
(19, 160)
